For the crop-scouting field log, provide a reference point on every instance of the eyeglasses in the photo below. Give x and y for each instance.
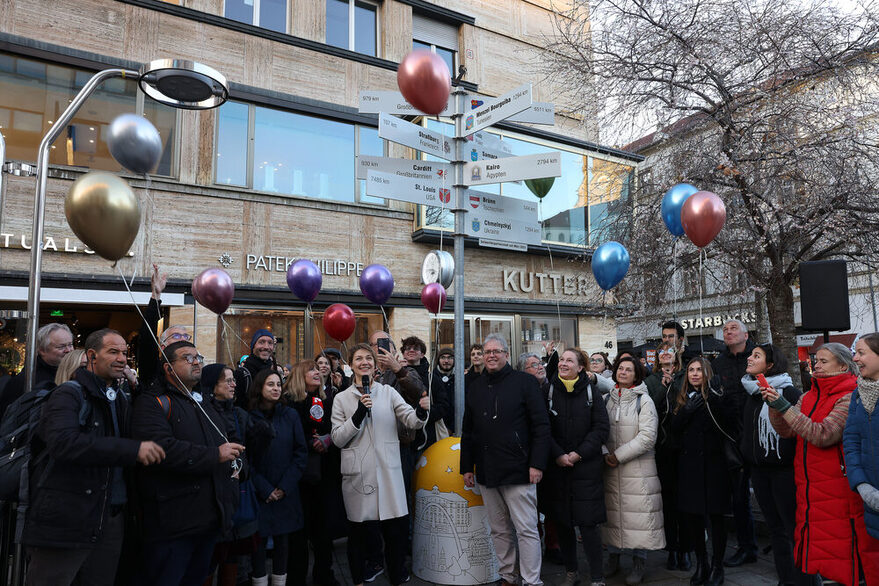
(67, 346)
(494, 352)
(534, 365)
(184, 337)
(192, 358)
(596, 360)
(411, 348)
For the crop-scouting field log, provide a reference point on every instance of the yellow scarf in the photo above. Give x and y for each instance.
(569, 384)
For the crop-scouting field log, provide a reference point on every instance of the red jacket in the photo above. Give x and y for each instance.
(830, 538)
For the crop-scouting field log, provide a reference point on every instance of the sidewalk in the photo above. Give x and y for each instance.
(757, 574)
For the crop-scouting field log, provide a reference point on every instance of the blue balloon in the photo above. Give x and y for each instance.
(672, 202)
(610, 263)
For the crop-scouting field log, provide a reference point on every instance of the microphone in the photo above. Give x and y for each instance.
(364, 380)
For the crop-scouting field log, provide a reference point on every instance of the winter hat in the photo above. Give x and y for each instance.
(446, 352)
(259, 334)
(210, 374)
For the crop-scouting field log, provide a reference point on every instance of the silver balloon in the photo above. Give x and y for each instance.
(135, 143)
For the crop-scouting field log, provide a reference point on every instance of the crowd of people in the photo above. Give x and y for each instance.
(192, 473)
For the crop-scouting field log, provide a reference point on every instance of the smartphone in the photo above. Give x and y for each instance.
(761, 381)
(384, 344)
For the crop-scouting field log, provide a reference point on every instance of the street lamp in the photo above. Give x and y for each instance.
(173, 82)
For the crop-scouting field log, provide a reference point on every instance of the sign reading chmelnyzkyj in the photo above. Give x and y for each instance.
(513, 168)
(417, 137)
(421, 191)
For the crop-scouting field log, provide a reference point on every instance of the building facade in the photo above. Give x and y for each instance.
(269, 177)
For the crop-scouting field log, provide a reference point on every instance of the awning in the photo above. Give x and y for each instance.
(845, 339)
(89, 296)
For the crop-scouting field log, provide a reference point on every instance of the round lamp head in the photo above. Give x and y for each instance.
(183, 84)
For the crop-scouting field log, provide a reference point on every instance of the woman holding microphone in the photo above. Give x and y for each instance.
(364, 426)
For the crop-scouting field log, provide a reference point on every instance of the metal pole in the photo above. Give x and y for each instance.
(460, 218)
(33, 293)
(872, 297)
(2, 168)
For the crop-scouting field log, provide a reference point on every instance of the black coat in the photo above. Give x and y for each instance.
(759, 443)
(703, 477)
(447, 383)
(190, 492)
(323, 468)
(505, 430)
(579, 423)
(148, 362)
(44, 378)
(730, 368)
(72, 465)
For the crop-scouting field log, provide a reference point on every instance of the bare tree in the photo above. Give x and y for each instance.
(771, 104)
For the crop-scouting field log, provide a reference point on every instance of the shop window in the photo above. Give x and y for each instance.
(269, 14)
(353, 25)
(34, 93)
(439, 37)
(284, 152)
(537, 330)
(291, 329)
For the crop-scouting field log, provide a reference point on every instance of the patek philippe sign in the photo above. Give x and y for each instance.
(328, 266)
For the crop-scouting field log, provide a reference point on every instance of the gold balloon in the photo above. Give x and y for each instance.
(103, 213)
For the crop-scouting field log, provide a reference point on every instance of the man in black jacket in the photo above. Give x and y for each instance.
(444, 375)
(730, 366)
(54, 342)
(261, 357)
(188, 500)
(78, 492)
(505, 442)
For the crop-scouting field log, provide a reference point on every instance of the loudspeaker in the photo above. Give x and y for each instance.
(824, 295)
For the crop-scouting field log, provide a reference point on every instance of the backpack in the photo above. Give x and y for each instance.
(17, 429)
(589, 397)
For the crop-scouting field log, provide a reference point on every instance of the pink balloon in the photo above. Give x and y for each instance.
(425, 81)
(214, 289)
(339, 321)
(433, 297)
(702, 216)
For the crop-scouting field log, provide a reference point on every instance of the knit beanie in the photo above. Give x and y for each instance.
(210, 374)
(446, 352)
(259, 334)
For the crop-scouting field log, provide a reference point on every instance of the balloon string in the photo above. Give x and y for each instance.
(674, 269)
(387, 322)
(701, 337)
(240, 339)
(558, 308)
(225, 335)
(152, 209)
(182, 388)
(430, 376)
(442, 203)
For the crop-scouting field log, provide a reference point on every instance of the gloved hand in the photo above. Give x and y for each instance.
(780, 404)
(870, 495)
(693, 404)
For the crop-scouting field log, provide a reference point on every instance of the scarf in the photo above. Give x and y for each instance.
(767, 437)
(869, 392)
(569, 384)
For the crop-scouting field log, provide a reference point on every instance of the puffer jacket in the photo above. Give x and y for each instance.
(860, 441)
(633, 495)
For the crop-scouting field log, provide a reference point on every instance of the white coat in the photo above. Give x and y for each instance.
(632, 492)
(372, 478)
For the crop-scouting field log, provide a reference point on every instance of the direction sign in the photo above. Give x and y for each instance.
(538, 113)
(415, 169)
(513, 168)
(417, 137)
(374, 102)
(506, 219)
(420, 191)
(498, 109)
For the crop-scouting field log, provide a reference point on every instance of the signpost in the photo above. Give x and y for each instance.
(476, 158)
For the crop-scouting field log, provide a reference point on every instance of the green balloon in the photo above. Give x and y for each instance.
(540, 187)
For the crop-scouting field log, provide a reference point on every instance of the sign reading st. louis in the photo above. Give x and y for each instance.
(513, 168)
(421, 191)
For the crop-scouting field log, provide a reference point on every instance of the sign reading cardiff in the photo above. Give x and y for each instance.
(505, 219)
(374, 102)
(498, 109)
(421, 191)
(417, 137)
(415, 169)
(513, 168)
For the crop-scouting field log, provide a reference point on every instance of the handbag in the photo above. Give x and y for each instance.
(735, 462)
(247, 510)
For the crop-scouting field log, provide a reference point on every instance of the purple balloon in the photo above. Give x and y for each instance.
(304, 280)
(214, 289)
(377, 283)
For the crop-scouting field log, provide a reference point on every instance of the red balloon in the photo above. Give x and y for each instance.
(702, 216)
(339, 321)
(214, 289)
(433, 297)
(425, 81)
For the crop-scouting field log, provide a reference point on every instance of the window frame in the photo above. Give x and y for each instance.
(251, 149)
(256, 6)
(433, 47)
(352, 25)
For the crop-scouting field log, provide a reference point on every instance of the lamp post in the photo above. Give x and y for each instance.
(173, 82)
